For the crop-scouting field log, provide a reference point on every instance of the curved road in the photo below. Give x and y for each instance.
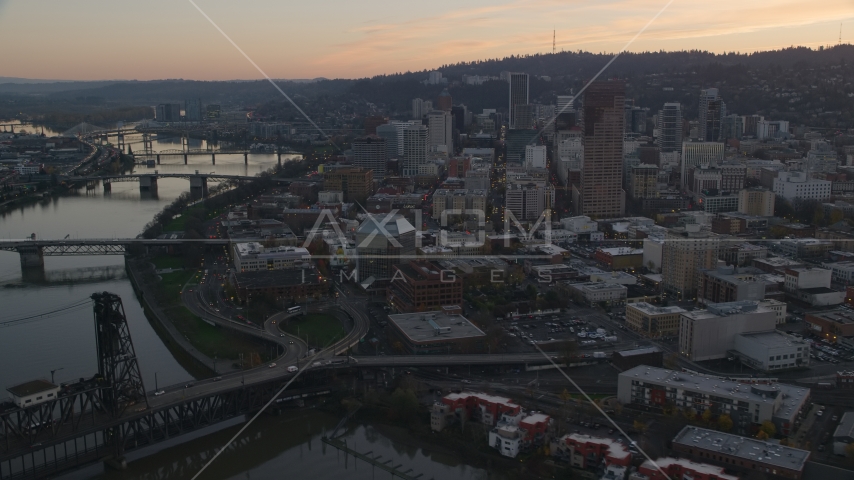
(295, 354)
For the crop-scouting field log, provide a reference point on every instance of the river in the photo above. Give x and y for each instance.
(65, 341)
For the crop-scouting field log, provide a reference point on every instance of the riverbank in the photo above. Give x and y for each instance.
(195, 362)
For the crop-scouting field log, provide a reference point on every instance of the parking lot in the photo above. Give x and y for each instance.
(590, 329)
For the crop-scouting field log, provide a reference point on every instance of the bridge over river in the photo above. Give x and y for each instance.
(101, 418)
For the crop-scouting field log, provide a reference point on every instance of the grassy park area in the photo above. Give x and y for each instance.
(317, 329)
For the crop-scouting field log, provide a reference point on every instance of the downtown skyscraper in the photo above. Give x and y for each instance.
(600, 194)
(712, 110)
(519, 94)
(670, 127)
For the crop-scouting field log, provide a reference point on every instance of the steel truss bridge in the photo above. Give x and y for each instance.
(97, 246)
(100, 418)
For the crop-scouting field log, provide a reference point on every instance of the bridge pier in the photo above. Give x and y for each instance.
(246, 159)
(185, 159)
(280, 159)
(108, 186)
(158, 159)
(31, 257)
(199, 185)
(213, 159)
(148, 182)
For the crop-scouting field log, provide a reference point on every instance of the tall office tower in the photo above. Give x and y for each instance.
(370, 152)
(400, 126)
(535, 156)
(702, 154)
(414, 149)
(417, 108)
(670, 127)
(460, 115)
(712, 109)
(524, 119)
(372, 122)
(445, 102)
(732, 126)
(390, 133)
(600, 193)
(564, 113)
(568, 155)
(518, 94)
(441, 131)
(193, 110)
(515, 142)
(168, 112)
(750, 124)
(637, 120)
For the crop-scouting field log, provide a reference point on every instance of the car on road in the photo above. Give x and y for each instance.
(465, 381)
(819, 413)
(188, 385)
(273, 365)
(159, 392)
(281, 334)
(291, 342)
(216, 379)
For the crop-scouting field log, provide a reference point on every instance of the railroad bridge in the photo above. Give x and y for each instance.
(101, 418)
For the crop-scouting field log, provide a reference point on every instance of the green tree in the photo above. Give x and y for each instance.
(724, 423)
(403, 403)
(769, 428)
(707, 416)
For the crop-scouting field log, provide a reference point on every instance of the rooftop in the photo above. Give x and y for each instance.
(536, 418)
(31, 388)
(378, 224)
(615, 448)
(743, 447)
(666, 462)
(773, 338)
(494, 399)
(842, 316)
(793, 396)
(638, 351)
(650, 309)
(432, 326)
(845, 429)
(260, 251)
(597, 286)
(618, 251)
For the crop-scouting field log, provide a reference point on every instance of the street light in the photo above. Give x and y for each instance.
(54, 371)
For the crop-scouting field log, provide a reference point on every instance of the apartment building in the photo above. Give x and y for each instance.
(747, 404)
(686, 251)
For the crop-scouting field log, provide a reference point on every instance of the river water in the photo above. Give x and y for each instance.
(290, 447)
(65, 341)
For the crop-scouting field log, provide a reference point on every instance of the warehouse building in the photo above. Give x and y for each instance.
(742, 454)
(436, 332)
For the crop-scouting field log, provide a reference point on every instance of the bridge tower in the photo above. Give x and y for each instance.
(120, 141)
(147, 147)
(117, 362)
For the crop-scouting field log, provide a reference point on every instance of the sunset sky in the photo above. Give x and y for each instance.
(155, 39)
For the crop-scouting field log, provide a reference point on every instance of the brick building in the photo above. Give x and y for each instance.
(421, 285)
